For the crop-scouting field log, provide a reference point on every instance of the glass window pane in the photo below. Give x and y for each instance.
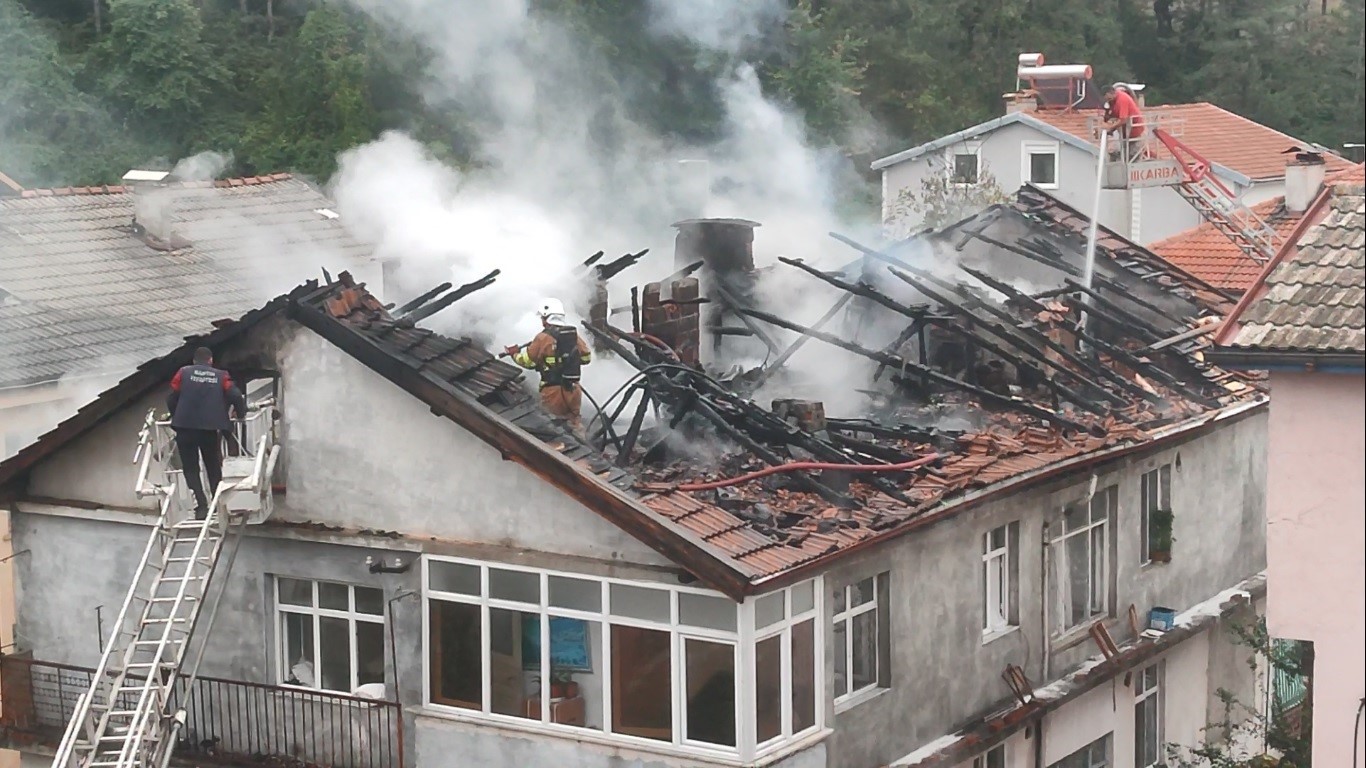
(965, 169)
(1041, 170)
(579, 594)
(803, 597)
(456, 661)
(768, 687)
(334, 641)
(998, 538)
(803, 675)
(865, 650)
(515, 585)
(706, 611)
(839, 599)
(369, 652)
(841, 658)
(640, 602)
(336, 597)
(576, 677)
(1098, 581)
(642, 698)
(453, 577)
(710, 676)
(769, 610)
(1078, 576)
(296, 592)
(513, 674)
(297, 664)
(862, 592)
(370, 601)
(996, 758)
(1074, 516)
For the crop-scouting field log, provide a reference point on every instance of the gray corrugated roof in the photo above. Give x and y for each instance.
(1315, 301)
(85, 291)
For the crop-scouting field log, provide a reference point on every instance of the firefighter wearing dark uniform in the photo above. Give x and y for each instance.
(559, 355)
(199, 400)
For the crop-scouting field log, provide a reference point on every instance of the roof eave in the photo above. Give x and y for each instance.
(1190, 428)
(1254, 359)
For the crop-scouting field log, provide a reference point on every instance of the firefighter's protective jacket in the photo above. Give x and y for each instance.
(557, 353)
(200, 396)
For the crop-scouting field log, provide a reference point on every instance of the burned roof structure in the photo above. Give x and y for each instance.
(993, 367)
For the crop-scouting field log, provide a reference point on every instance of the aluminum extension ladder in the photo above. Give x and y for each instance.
(130, 717)
(1218, 205)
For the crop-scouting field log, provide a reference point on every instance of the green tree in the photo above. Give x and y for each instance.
(818, 71)
(319, 102)
(155, 69)
(50, 132)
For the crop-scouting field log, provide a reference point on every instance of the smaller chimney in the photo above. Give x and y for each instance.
(1303, 179)
(151, 207)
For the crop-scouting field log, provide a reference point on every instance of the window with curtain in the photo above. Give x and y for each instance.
(331, 636)
(1079, 555)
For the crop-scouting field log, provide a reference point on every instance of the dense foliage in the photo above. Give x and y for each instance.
(94, 87)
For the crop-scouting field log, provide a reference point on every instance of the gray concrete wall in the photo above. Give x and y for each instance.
(363, 453)
(439, 738)
(1161, 212)
(942, 672)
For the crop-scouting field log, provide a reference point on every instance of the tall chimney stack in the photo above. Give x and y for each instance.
(1303, 179)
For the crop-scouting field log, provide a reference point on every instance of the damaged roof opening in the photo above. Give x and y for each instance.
(981, 375)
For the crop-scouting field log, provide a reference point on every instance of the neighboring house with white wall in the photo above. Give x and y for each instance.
(1052, 145)
(1304, 322)
(797, 620)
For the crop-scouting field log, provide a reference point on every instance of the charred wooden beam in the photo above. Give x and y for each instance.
(1115, 352)
(738, 307)
(1010, 292)
(1125, 318)
(792, 349)
(1009, 334)
(617, 266)
(423, 299)
(422, 313)
(866, 291)
(986, 395)
(628, 441)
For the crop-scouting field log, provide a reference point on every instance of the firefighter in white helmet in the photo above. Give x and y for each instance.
(559, 355)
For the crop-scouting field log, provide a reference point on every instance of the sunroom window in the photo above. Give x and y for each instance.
(640, 662)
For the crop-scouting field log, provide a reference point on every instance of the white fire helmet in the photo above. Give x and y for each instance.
(551, 311)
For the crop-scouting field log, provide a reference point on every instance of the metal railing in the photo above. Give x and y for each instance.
(228, 722)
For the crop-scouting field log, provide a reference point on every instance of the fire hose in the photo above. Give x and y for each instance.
(799, 466)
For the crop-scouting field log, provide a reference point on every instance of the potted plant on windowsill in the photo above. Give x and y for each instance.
(562, 684)
(1160, 548)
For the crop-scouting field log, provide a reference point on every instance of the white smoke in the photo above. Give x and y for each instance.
(561, 170)
(205, 166)
(719, 25)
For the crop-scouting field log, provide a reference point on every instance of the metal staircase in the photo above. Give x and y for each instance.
(134, 710)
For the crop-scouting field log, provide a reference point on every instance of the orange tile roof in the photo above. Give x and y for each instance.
(1223, 137)
(1209, 255)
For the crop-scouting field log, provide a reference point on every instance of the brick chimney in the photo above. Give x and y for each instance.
(1303, 179)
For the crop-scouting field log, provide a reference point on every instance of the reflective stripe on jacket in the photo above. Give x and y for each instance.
(542, 355)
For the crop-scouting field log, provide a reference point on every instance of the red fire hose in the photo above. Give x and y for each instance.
(797, 466)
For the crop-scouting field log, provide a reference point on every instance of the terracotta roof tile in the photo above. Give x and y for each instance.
(1208, 254)
(1223, 137)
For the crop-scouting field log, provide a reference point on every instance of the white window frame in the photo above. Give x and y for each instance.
(742, 639)
(284, 666)
(973, 148)
(984, 760)
(784, 628)
(1143, 693)
(1029, 148)
(998, 579)
(846, 617)
(1161, 483)
(1099, 574)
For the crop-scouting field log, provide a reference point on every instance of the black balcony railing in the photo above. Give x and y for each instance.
(228, 722)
